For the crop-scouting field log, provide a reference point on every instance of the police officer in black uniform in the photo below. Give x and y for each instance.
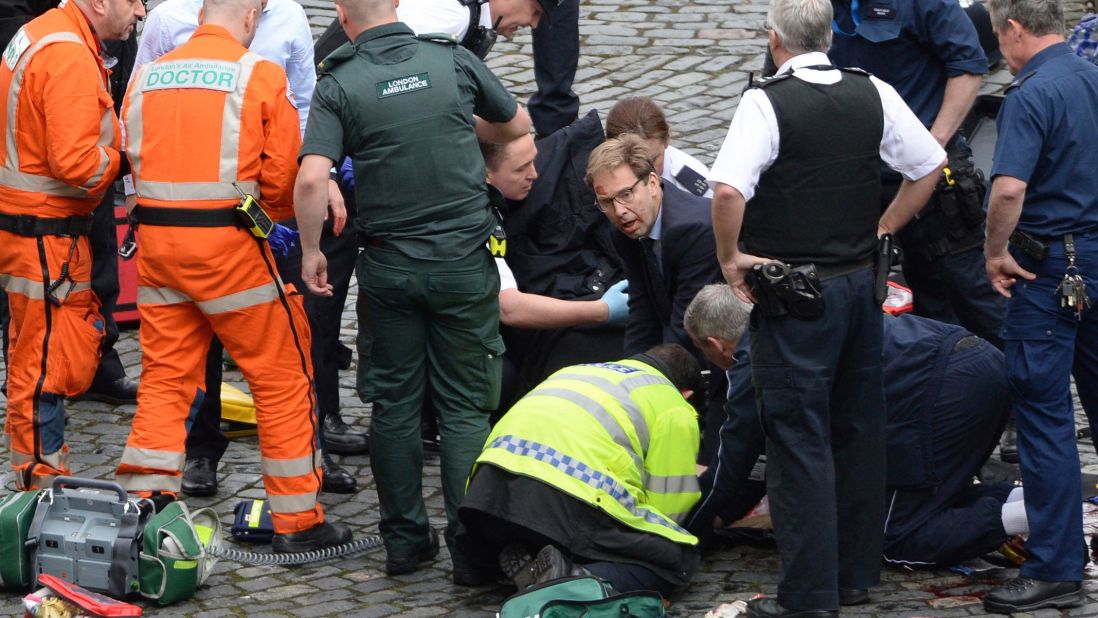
(810, 221)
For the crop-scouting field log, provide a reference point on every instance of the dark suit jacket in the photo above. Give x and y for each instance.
(689, 259)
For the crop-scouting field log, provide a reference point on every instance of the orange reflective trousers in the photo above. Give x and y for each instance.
(53, 347)
(194, 282)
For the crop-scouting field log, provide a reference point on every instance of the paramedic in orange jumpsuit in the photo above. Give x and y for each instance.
(201, 118)
(58, 156)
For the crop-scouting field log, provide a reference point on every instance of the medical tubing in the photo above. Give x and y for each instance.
(302, 557)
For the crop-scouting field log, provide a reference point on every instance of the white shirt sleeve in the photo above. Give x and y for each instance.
(750, 147)
(506, 277)
(906, 145)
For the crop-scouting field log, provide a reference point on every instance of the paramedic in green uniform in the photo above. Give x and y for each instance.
(408, 111)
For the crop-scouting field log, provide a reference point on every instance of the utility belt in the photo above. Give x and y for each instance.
(32, 226)
(1036, 247)
(255, 220)
(795, 290)
(957, 207)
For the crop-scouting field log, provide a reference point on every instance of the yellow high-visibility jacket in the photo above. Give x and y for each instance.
(618, 436)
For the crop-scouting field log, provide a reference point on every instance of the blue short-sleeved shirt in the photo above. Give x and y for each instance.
(914, 45)
(1048, 129)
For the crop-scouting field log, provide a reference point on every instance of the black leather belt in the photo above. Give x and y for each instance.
(30, 225)
(186, 217)
(830, 271)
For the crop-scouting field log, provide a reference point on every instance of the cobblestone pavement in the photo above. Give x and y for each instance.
(691, 56)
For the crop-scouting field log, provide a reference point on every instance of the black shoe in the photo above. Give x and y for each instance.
(853, 596)
(326, 534)
(200, 477)
(1023, 594)
(343, 357)
(1008, 444)
(337, 480)
(398, 564)
(768, 607)
(119, 392)
(341, 439)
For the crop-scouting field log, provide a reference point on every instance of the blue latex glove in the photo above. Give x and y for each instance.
(347, 175)
(282, 239)
(617, 300)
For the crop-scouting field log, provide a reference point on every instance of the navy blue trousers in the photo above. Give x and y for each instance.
(953, 520)
(821, 402)
(1045, 346)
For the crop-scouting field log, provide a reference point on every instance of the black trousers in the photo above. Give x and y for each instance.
(556, 57)
(951, 288)
(104, 282)
(820, 395)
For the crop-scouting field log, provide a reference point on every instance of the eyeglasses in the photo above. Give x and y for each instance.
(623, 197)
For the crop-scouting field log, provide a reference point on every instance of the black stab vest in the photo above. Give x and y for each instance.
(820, 200)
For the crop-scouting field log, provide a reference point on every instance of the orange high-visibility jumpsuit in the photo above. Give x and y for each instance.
(201, 117)
(59, 154)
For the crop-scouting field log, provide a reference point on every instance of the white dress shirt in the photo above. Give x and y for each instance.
(434, 16)
(751, 146)
(283, 37)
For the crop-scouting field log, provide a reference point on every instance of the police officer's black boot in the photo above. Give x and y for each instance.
(341, 439)
(337, 479)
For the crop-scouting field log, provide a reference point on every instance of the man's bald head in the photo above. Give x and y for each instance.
(358, 15)
(239, 17)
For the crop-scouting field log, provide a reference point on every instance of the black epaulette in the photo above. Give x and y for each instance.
(1014, 85)
(341, 54)
(855, 71)
(442, 38)
(763, 82)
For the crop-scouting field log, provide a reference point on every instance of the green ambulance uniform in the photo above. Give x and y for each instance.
(618, 437)
(402, 109)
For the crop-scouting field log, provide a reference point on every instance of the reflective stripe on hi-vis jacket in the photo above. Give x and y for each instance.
(618, 436)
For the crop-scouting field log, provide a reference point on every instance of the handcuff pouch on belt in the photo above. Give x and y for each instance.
(780, 289)
(958, 205)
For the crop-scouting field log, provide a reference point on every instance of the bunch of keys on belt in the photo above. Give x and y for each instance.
(1073, 290)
